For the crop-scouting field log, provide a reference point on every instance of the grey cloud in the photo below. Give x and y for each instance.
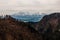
(40, 5)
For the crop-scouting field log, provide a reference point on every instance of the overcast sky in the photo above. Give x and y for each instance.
(44, 6)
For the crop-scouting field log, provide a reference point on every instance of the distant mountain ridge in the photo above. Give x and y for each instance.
(28, 18)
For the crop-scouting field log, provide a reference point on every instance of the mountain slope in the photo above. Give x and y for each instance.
(49, 26)
(11, 29)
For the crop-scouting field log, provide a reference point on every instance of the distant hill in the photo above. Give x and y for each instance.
(28, 18)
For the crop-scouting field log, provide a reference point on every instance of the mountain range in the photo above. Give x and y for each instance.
(48, 28)
(28, 18)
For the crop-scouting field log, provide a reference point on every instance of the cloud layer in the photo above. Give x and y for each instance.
(38, 5)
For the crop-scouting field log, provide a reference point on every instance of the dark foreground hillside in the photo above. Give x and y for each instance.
(11, 29)
(46, 29)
